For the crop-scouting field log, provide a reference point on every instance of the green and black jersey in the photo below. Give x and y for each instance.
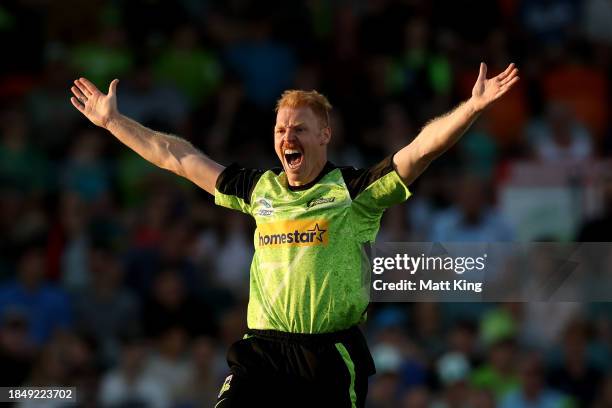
(310, 273)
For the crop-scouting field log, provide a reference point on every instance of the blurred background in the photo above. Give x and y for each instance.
(126, 281)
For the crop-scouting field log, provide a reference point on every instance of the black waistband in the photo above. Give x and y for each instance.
(332, 337)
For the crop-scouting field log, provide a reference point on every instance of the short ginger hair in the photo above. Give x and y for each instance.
(297, 98)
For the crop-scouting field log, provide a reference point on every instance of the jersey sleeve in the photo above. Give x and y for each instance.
(373, 190)
(234, 187)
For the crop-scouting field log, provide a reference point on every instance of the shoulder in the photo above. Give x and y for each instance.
(358, 180)
(240, 181)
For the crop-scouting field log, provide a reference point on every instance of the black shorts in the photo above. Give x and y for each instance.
(277, 369)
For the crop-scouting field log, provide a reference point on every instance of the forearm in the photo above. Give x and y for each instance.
(442, 133)
(161, 149)
(433, 140)
(167, 151)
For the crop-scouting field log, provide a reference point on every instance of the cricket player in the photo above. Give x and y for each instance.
(309, 277)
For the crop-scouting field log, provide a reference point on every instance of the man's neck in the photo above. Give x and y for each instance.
(311, 177)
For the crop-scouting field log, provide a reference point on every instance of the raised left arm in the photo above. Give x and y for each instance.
(443, 132)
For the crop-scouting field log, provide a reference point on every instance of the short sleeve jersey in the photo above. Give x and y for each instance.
(310, 273)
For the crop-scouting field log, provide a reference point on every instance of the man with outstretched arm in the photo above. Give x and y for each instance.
(308, 280)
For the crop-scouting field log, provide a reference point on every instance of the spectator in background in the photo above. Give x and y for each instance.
(478, 151)
(463, 338)
(559, 138)
(77, 355)
(169, 363)
(383, 390)
(533, 392)
(420, 73)
(453, 371)
(171, 305)
(16, 349)
(575, 375)
(426, 326)
(84, 170)
(583, 88)
(393, 226)
(550, 22)
(153, 250)
(22, 166)
(135, 178)
(202, 387)
(104, 57)
(341, 149)
(234, 255)
(46, 307)
(128, 384)
(539, 330)
(395, 352)
(482, 399)
(417, 397)
(265, 66)
(497, 374)
(186, 64)
(50, 368)
(69, 241)
(105, 309)
(147, 100)
(49, 116)
(471, 218)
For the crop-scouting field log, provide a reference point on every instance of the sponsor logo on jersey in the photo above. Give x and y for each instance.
(319, 201)
(264, 202)
(226, 385)
(293, 233)
(265, 207)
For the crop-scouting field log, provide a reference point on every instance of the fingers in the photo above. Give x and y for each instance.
(510, 84)
(511, 68)
(482, 75)
(112, 88)
(513, 74)
(77, 92)
(88, 85)
(77, 104)
(506, 87)
(82, 88)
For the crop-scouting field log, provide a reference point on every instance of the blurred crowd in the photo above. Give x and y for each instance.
(127, 282)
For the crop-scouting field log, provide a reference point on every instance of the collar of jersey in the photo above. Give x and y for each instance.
(329, 166)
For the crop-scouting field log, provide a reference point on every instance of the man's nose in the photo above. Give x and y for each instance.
(290, 135)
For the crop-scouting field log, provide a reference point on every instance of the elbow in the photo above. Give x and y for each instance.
(426, 154)
(173, 165)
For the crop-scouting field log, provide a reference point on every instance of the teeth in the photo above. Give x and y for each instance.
(291, 151)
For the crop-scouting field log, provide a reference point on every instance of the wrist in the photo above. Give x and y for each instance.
(110, 121)
(474, 107)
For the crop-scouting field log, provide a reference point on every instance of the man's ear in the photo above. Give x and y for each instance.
(325, 135)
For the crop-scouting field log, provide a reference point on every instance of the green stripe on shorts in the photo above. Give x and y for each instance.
(351, 368)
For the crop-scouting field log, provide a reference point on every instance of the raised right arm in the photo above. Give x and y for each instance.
(163, 150)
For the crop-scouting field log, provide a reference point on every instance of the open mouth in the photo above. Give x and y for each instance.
(294, 158)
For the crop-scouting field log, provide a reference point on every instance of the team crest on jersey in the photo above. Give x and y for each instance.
(293, 233)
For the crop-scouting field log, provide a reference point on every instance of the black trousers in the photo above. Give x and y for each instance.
(277, 369)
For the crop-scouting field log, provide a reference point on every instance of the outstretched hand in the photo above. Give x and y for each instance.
(486, 91)
(98, 107)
